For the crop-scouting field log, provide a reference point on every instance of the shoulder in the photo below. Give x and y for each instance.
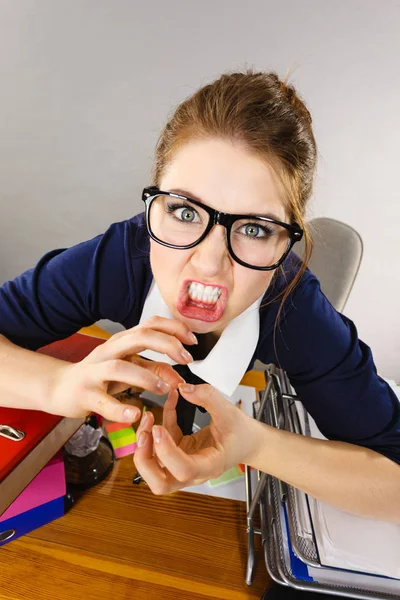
(106, 277)
(112, 270)
(121, 267)
(129, 236)
(305, 327)
(299, 302)
(121, 252)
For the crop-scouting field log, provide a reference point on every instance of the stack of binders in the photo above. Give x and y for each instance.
(32, 482)
(309, 545)
(42, 501)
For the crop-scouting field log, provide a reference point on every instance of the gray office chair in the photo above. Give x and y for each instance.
(336, 258)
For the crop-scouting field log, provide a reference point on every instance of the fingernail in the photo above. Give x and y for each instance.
(145, 420)
(192, 338)
(187, 356)
(157, 434)
(131, 414)
(163, 386)
(142, 439)
(186, 387)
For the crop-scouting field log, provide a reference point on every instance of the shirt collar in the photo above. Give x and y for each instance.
(227, 362)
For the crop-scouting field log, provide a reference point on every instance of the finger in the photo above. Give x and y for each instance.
(170, 421)
(191, 469)
(146, 339)
(206, 396)
(149, 468)
(122, 371)
(178, 463)
(146, 423)
(225, 417)
(169, 339)
(112, 410)
(173, 327)
(162, 370)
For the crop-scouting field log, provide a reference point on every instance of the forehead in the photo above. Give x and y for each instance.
(226, 176)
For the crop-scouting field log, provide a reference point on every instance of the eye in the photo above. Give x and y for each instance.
(187, 214)
(184, 213)
(255, 230)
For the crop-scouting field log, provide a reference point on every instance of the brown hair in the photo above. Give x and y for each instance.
(269, 118)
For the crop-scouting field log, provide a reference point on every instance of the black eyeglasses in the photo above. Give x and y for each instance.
(180, 222)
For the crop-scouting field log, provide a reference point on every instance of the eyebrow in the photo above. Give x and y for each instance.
(189, 195)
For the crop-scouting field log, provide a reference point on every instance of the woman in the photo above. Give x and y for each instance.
(233, 172)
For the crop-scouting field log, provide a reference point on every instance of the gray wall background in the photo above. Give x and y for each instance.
(87, 84)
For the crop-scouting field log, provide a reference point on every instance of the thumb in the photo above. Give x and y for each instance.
(206, 396)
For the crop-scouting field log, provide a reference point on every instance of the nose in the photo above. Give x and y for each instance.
(211, 257)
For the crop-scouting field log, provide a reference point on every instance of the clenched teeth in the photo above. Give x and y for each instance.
(207, 294)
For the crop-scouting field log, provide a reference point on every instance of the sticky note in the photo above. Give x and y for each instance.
(122, 438)
(229, 475)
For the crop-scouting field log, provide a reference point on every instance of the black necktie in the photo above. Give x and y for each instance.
(185, 411)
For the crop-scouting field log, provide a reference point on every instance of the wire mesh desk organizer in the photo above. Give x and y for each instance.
(299, 547)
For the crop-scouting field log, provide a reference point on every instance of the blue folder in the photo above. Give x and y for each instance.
(13, 528)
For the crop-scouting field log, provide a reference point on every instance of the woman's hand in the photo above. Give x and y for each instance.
(169, 461)
(88, 386)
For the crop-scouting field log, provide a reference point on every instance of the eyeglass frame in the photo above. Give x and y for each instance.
(219, 218)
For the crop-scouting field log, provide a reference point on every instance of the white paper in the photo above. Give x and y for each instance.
(350, 542)
(338, 576)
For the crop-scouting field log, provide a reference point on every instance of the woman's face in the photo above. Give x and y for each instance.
(227, 177)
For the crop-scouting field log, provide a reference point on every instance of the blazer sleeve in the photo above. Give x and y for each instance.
(333, 372)
(68, 289)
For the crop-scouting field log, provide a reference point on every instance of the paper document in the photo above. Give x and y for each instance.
(350, 542)
(300, 571)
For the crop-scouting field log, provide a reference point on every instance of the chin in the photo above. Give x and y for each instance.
(197, 325)
(201, 327)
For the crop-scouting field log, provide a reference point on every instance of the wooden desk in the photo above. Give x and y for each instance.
(121, 542)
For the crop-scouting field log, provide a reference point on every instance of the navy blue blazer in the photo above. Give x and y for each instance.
(109, 277)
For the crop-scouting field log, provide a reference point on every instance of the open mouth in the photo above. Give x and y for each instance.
(200, 301)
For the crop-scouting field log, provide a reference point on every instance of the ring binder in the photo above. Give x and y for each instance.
(11, 433)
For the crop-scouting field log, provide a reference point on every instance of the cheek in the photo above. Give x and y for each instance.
(249, 286)
(156, 253)
(166, 263)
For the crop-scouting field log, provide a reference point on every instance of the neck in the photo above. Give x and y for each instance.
(206, 343)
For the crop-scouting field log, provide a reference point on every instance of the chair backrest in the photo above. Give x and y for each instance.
(336, 258)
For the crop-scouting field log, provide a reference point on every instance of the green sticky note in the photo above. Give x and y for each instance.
(121, 433)
(124, 441)
(229, 475)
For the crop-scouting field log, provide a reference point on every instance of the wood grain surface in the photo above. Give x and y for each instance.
(122, 542)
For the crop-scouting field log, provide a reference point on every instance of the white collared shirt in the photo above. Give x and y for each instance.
(227, 362)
